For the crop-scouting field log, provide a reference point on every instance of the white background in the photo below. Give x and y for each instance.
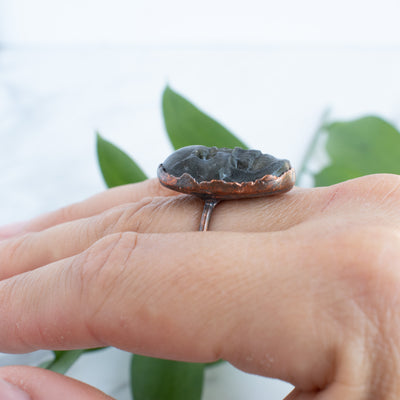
(364, 22)
(266, 69)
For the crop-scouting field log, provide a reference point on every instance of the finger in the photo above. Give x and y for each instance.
(182, 213)
(91, 206)
(153, 215)
(385, 186)
(11, 392)
(300, 395)
(188, 296)
(41, 384)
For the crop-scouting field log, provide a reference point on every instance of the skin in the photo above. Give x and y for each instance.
(302, 286)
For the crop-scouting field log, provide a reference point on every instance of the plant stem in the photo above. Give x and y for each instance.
(311, 147)
(63, 361)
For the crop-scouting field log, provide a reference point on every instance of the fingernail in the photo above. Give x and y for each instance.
(10, 230)
(10, 392)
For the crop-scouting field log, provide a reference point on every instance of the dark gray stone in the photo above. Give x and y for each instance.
(230, 165)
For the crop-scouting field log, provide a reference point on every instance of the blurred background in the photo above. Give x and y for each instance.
(267, 70)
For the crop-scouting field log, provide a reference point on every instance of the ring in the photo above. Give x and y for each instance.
(216, 174)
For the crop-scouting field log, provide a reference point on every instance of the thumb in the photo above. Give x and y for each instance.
(30, 383)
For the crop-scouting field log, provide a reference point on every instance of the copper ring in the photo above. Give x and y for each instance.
(216, 174)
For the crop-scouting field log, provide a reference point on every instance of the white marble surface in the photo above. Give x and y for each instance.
(52, 99)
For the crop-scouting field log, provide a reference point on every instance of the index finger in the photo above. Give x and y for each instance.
(185, 296)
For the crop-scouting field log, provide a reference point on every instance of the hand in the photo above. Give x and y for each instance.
(303, 287)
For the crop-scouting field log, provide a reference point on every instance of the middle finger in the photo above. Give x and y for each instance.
(152, 215)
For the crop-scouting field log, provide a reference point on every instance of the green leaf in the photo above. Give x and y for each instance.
(364, 146)
(334, 174)
(186, 125)
(63, 360)
(116, 166)
(157, 379)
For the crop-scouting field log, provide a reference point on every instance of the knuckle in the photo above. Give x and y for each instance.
(386, 186)
(102, 262)
(67, 213)
(100, 274)
(143, 216)
(391, 188)
(151, 214)
(376, 186)
(117, 219)
(14, 247)
(13, 254)
(137, 216)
